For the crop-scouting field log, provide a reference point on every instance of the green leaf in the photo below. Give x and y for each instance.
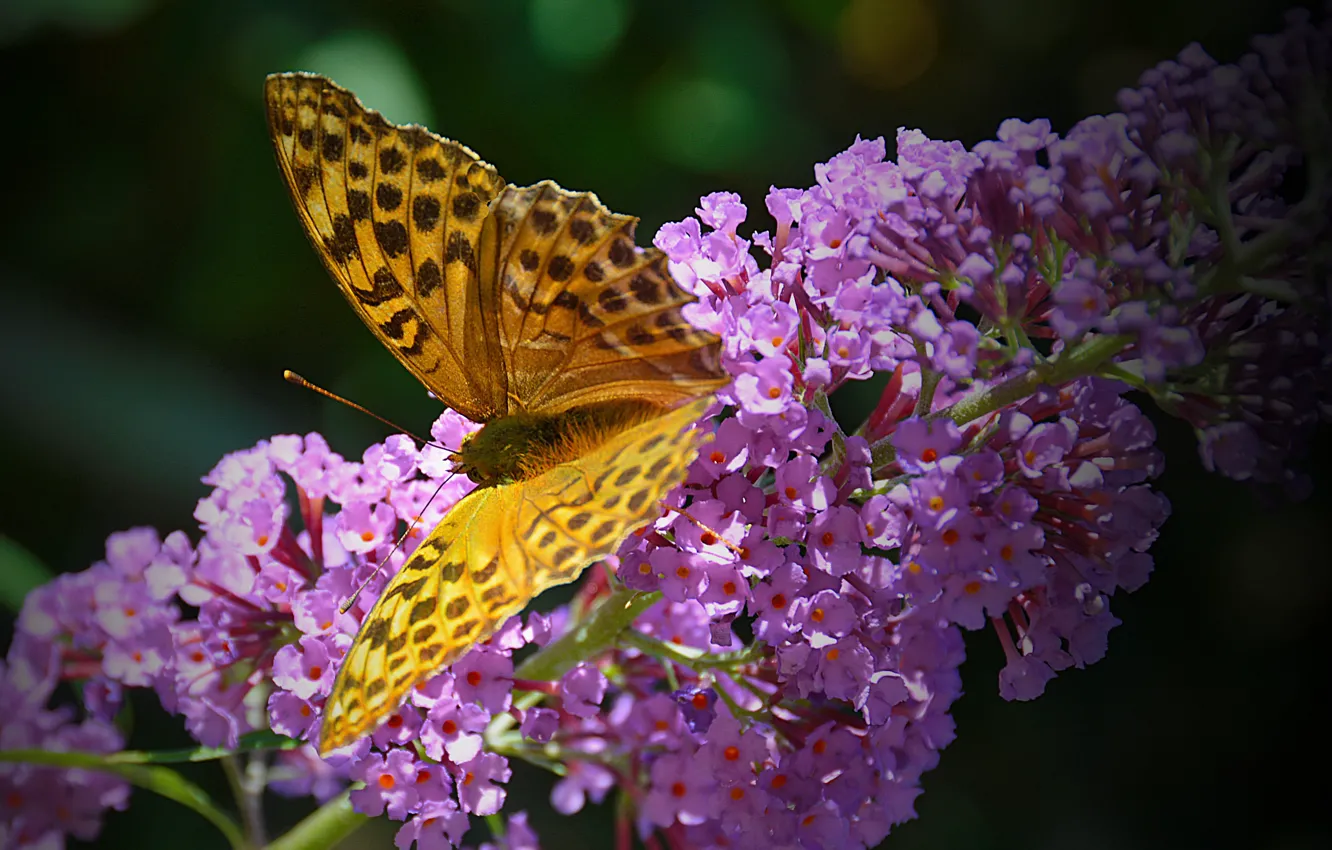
(20, 572)
(254, 741)
(591, 636)
(159, 780)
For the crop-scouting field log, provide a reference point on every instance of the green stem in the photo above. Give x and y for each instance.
(1073, 363)
(160, 780)
(248, 801)
(882, 453)
(324, 827)
(500, 724)
(257, 741)
(694, 659)
(929, 382)
(594, 634)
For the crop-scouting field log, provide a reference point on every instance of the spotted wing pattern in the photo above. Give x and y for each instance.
(396, 214)
(585, 316)
(494, 551)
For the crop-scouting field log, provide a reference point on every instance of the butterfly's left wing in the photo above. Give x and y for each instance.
(396, 214)
(584, 316)
(493, 552)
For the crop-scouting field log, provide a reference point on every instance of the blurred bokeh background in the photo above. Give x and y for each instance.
(154, 282)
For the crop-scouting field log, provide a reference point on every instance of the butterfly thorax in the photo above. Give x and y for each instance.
(523, 445)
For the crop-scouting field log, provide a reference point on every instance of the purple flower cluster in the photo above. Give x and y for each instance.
(795, 680)
(1029, 518)
(40, 805)
(262, 646)
(1184, 223)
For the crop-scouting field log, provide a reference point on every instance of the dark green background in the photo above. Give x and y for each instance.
(155, 283)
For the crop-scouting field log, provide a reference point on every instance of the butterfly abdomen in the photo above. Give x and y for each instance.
(524, 445)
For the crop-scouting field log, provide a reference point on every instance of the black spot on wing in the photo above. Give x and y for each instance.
(391, 160)
(428, 278)
(392, 237)
(425, 212)
(388, 196)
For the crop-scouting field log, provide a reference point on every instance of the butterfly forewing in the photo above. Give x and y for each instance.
(396, 213)
(584, 316)
(493, 552)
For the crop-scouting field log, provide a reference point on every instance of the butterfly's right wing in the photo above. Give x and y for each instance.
(396, 213)
(493, 552)
(584, 316)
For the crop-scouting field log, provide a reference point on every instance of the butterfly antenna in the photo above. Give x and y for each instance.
(351, 600)
(739, 552)
(293, 378)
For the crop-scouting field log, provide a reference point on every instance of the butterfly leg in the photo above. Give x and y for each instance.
(708, 530)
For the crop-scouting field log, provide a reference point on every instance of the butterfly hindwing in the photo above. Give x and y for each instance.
(585, 316)
(396, 214)
(580, 511)
(494, 551)
(453, 592)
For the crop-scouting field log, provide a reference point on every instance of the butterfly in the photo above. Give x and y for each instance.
(529, 309)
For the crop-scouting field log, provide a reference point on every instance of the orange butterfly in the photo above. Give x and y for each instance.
(529, 309)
